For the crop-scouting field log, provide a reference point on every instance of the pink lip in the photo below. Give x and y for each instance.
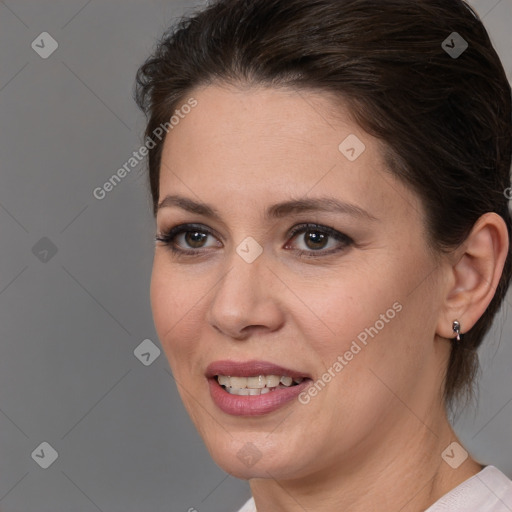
(250, 369)
(257, 404)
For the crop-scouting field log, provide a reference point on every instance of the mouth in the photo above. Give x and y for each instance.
(254, 387)
(259, 385)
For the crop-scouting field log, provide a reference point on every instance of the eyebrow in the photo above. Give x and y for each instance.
(275, 211)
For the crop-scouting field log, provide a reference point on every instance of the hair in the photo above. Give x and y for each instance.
(445, 121)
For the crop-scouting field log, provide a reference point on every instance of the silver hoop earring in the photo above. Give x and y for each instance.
(456, 329)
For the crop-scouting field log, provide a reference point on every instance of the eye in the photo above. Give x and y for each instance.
(188, 239)
(316, 239)
(193, 236)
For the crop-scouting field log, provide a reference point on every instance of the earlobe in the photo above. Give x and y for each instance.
(475, 275)
(456, 329)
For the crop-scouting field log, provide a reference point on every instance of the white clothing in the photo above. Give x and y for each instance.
(488, 491)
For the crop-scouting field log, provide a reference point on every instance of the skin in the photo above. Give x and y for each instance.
(381, 420)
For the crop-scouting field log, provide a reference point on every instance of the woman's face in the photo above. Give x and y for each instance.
(350, 303)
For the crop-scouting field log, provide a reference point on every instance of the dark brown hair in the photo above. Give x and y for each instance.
(444, 119)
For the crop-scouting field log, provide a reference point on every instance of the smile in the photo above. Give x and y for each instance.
(252, 386)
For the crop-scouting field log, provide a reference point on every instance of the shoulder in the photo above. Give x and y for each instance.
(488, 491)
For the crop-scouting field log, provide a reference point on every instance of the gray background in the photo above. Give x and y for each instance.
(70, 322)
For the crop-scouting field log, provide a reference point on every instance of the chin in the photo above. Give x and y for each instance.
(260, 469)
(257, 458)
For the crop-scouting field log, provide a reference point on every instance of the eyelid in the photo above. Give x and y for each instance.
(311, 226)
(168, 236)
(344, 240)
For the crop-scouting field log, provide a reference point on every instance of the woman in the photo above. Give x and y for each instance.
(332, 243)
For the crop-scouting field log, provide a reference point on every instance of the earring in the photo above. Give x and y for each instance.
(456, 329)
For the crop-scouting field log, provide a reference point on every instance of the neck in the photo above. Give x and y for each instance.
(402, 470)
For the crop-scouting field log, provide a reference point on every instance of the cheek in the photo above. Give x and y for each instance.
(369, 318)
(340, 308)
(173, 297)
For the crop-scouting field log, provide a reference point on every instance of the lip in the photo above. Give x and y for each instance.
(252, 405)
(251, 368)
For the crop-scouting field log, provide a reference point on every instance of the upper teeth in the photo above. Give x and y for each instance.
(259, 382)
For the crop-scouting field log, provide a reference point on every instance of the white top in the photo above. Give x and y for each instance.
(487, 491)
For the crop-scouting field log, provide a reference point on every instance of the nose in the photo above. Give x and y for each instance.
(246, 299)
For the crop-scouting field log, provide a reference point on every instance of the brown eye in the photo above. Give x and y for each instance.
(195, 239)
(315, 240)
(188, 239)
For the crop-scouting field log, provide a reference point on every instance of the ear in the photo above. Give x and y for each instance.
(474, 274)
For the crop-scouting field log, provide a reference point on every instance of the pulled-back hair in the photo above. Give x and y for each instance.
(444, 119)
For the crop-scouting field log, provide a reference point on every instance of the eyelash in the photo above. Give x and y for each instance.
(167, 238)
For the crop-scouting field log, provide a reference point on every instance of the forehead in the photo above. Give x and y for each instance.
(253, 144)
(263, 114)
